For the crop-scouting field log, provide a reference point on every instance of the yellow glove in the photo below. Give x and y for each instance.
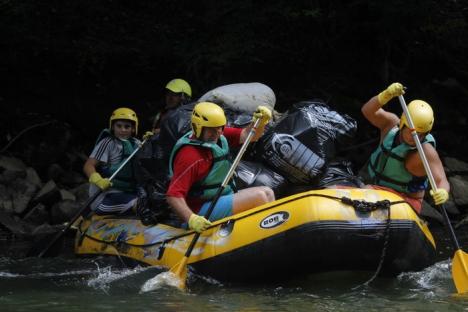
(264, 114)
(440, 196)
(198, 223)
(395, 89)
(147, 135)
(100, 182)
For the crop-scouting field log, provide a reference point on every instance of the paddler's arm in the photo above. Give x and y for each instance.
(194, 221)
(180, 207)
(443, 186)
(374, 112)
(90, 166)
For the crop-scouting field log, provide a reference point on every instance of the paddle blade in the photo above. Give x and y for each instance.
(175, 277)
(179, 271)
(460, 271)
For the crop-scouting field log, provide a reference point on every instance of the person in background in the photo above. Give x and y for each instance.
(396, 164)
(199, 163)
(114, 146)
(178, 92)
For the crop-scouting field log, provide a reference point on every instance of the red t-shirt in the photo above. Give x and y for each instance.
(192, 164)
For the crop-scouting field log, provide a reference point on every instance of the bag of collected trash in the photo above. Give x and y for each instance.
(174, 126)
(152, 175)
(250, 174)
(242, 97)
(301, 143)
(340, 172)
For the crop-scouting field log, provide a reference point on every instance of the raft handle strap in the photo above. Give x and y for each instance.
(161, 250)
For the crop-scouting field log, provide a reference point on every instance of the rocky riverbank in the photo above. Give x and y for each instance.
(42, 185)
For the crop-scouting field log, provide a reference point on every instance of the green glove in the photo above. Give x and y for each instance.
(198, 223)
(440, 196)
(147, 135)
(395, 89)
(264, 114)
(99, 181)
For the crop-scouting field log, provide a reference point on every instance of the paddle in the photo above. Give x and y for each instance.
(86, 204)
(460, 260)
(179, 270)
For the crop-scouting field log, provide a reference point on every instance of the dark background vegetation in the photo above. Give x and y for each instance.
(76, 61)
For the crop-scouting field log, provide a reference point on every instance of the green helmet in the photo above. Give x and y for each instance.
(179, 86)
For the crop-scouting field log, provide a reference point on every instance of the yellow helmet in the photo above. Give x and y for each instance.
(124, 113)
(207, 114)
(179, 86)
(422, 115)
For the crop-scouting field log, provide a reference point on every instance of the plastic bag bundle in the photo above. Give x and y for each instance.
(249, 174)
(242, 97)
(148, 163)
(174, 126)
(318, 127)
(340, 173)
(300, 144)
(288, 156)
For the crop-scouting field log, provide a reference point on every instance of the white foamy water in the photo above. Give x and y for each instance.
(432, 279)
(8, 275)
(45, 274)
(106, 276)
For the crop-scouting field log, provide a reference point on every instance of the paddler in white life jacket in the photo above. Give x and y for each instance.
(395, 164)
(199, 163)
(113, 147)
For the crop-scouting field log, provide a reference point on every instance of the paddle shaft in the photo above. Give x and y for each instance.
(224, 184)
(427, 168)
(87, 203)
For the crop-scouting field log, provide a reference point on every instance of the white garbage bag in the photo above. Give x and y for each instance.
(242, 97)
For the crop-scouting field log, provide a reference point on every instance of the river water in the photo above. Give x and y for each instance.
(69, 284)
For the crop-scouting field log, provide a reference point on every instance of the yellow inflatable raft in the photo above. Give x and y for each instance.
(314, 231)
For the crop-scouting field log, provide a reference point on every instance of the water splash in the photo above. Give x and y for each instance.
(8, 275)
(45, 274)
(160, 280)
(106, 276)
(432, 280)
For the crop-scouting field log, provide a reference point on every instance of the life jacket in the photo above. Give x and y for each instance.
(207, 188)
(387, 164)
(124, 180)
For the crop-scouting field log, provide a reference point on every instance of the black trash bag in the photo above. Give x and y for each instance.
(340, 172)
(174, 125)
(300, 144)
(318, 127)
(152, 175)
(288, 156)
(249, 174)
(152, 207)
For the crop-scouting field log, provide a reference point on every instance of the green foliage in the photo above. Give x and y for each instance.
(121, 51)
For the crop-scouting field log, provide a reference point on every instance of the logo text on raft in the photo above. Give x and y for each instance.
(274, 220)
